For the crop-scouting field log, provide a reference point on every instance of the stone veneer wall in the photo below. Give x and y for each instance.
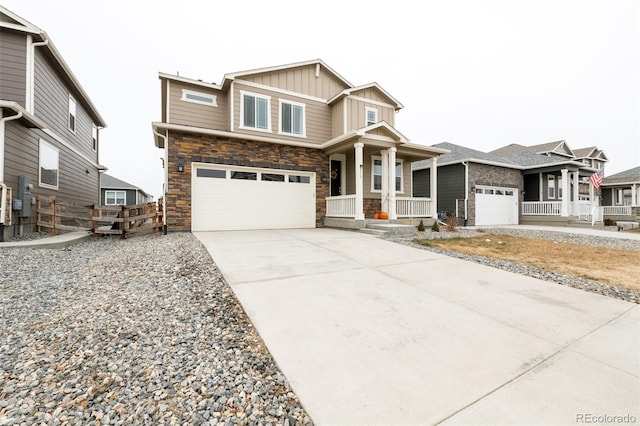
(190, 148)
(370, 206)
(482, 174)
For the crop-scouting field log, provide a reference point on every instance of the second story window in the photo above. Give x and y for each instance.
(255, 111)
(292, 118)
(372, 116)
(94, 137)
(72, 114)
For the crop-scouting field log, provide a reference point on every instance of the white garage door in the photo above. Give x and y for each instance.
(496, 206)
(235, 198)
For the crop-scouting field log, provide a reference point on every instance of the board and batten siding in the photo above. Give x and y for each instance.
(357, 113)
(51, 104)
(22, 146)
(301, 80)
(13, 63)
(194, 114)
(450, 185)
(317, 116)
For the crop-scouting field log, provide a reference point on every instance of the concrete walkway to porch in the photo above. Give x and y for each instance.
(370, 332)
(572, 230)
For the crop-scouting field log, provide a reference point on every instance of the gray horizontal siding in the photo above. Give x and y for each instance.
(13, 48)
(52, 106)
(22, 158)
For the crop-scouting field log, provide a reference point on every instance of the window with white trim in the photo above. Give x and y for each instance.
(112, 198)
(199, 98)
(551, 187)
(255, 111)
(376, 175)
(94, 137)
(49, 165)
(72, 114)
(372, 116)
(292, 118)
(619, 199)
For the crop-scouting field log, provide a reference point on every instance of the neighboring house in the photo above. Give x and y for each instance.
(544, 183)
(621, 195)
(114, 191)
(48, 126)
(284, 147)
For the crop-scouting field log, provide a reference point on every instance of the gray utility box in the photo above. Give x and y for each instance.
(24, 195)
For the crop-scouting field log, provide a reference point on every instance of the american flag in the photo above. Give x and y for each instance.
(596, 178)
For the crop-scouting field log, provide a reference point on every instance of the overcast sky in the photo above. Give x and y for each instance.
(478, 73)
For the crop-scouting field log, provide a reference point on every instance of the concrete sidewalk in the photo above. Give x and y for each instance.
(370, 332)
(571, 230)
(55, 241)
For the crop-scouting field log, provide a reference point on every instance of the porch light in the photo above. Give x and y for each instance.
(180, 166)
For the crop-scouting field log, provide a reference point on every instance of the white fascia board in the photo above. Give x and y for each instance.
(631, 182)
(16, 107)
(189, 81)
(23, 25)
(234, 75)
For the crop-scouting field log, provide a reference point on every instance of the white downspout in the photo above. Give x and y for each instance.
(30, 77)
(466, 189)
(3, 201)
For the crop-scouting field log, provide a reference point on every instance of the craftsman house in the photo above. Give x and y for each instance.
(621, 195)
(288, 146)
(540, 184)
(48, 127)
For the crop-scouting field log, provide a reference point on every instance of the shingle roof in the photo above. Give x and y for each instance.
(627, 176)
(108, 181)
(514, 155)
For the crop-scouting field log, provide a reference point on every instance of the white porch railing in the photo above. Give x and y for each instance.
(541, 208)
(413, 207)
(341, 206)
(617, 210)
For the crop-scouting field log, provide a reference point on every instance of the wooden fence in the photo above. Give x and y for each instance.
(124, 220)
(55, 216)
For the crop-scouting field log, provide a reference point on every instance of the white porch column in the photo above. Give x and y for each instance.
(384, 190)
(592, 195)
(393, 215)
(634, 195)
(359, 191)
(576, 193)
(433, 190)
(564, 210)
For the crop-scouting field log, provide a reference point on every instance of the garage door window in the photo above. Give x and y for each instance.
(271, 177)
(244, 175)
(212, 173)
(299, 179)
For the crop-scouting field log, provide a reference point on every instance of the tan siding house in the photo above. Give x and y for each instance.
(294, 145)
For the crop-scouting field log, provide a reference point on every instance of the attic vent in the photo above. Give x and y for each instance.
(317, 70)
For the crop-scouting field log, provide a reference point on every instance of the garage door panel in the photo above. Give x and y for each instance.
(496, 206)
(234, 204)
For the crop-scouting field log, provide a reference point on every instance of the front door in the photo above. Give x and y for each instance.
(336, 178)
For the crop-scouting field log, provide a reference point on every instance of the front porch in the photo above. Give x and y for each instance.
(560, 196)
(345, 206)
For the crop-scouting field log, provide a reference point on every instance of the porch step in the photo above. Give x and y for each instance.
(376, 232)
(391, 228)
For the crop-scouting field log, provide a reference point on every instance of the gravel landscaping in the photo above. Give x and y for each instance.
(568, 280)
(147, 331)
(136, 331)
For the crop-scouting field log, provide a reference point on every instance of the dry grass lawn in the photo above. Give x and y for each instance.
(615, 267)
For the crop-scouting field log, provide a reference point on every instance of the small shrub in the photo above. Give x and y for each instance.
(435, 227)
(609, 222)
(452, 224)
(421, 226)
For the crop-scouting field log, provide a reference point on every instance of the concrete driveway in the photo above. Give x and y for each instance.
(370, 332)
